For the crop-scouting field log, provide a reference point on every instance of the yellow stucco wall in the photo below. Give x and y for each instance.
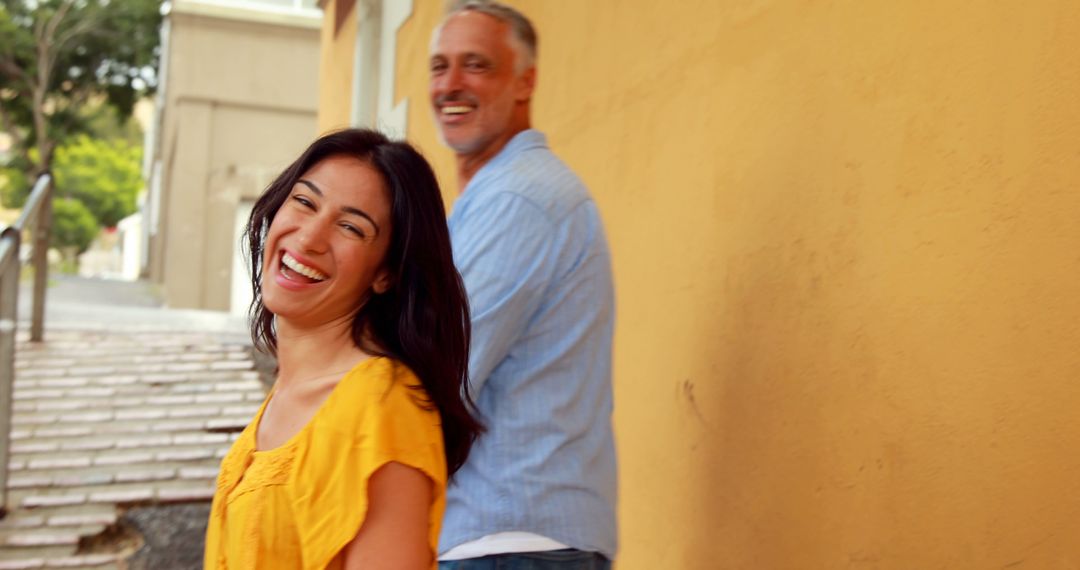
(847, 252)
(336, 64)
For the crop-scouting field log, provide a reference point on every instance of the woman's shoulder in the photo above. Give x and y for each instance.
(380, 385)
(381, 411)
(380, 375)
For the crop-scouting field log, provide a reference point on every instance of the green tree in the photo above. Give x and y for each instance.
(104, 175)
(74, 227)
(14, 187)
(56, 56)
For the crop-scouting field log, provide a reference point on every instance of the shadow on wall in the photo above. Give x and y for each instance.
(788, 411)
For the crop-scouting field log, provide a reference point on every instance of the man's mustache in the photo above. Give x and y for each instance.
(457, 97)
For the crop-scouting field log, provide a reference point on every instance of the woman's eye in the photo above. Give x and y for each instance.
(359, 233)
(304, 201)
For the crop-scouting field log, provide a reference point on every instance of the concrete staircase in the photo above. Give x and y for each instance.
(108, 418)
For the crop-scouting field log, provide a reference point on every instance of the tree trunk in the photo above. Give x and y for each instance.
(44, 33)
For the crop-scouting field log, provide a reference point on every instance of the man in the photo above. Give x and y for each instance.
(538, 489)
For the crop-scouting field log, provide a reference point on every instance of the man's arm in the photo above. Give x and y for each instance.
(505, 249)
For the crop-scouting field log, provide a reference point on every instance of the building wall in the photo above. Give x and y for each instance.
(337, 63)
(241, 104)
(845, 249)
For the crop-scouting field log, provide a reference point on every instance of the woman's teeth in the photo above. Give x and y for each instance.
(302, 269)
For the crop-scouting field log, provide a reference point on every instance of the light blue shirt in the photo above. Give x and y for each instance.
(530, 247)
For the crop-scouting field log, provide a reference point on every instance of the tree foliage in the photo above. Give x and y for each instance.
(14, 187)
(73, 226)
(104, 175)
(69, 68)
(56, 56)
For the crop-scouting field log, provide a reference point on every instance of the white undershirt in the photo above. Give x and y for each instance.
(502, 543)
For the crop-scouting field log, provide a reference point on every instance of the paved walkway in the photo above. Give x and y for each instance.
(121, 407)
(96, 304)
(73, 289)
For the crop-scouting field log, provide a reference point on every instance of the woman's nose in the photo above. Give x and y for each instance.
(313, 237)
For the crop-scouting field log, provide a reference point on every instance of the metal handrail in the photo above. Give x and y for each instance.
(36, 212)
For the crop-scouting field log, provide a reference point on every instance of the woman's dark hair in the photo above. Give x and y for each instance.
(422, 320)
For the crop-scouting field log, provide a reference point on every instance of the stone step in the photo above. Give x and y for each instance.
(26, 557)
(106, 421)
(77, 331)
(69, 561)
(89, 440)
(61, 518)
(187, 463)
(54, 348)
(32, 466)
(149, 385)
(26, 528)
(55, 536)
(131, 382)
(122, 431)
(107, 395)
(28, 466)
(198, 472)
(133, 428)
(172, 491)
(57, 338)
(66, 358)
(50, 364)
(148, 407)
(137, 369)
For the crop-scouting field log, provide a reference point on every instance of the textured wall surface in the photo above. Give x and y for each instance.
(847, 253)
(240, 106)
(337, 43)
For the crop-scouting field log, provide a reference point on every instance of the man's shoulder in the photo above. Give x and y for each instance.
(541, 178)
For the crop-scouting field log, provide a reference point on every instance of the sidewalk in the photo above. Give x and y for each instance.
(81, 303)
(120, 420)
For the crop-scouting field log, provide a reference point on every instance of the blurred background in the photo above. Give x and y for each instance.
(844, 235)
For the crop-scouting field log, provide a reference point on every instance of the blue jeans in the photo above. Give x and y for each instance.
(568, 559)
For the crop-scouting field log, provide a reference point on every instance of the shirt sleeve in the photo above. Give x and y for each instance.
(504, 249)
(385, 420)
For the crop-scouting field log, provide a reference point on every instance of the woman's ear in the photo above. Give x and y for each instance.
(383, 281)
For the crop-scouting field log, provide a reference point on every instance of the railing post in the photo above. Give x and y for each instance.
(9, 291)
(42, 227)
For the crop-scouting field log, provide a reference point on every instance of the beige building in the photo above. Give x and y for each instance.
(238, 99)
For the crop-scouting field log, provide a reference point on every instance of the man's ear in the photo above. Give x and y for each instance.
(383, 281)
(526, 84)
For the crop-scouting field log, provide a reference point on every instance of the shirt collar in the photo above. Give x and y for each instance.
(521, 142)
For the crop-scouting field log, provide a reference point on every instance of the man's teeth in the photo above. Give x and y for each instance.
(302, 269)
(456, 109)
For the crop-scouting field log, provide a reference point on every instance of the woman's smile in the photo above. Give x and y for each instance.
(292, 274)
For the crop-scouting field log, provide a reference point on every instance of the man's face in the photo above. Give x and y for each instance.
(474, 85)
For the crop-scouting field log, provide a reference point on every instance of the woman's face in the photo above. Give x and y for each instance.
(325, 250)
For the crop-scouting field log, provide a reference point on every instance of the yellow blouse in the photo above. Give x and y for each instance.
(298, 505)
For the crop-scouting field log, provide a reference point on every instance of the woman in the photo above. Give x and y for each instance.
(346, 463)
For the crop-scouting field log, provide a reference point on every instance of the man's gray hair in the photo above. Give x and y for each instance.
(522, 32)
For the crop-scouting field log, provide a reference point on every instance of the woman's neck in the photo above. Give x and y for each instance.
(308, 353)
